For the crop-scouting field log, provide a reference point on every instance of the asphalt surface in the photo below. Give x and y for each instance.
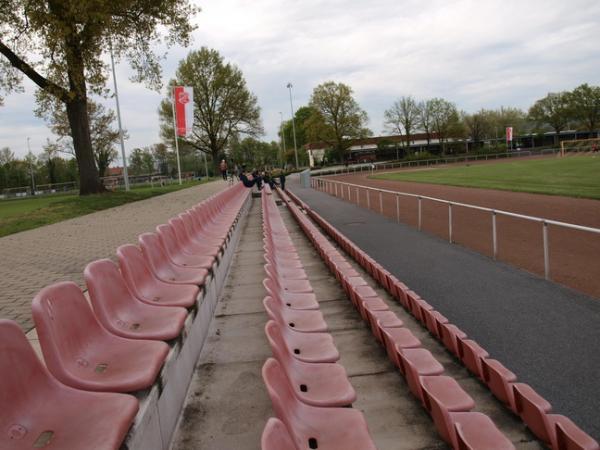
(547, 334)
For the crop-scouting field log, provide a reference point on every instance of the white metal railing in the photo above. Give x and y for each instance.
(332, 187)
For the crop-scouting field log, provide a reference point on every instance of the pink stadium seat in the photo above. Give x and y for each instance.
(272, 258)
(359, 292)
(315, 384)
(396, 339)
(310, 347)
(290, 299)
(307, 321)
(411, 298)
(499, 380)
(371, 304)
(421, 310)
(146, 287)
(535, 412)
(197, 234)
(399, 291)
(476, 431)
(298, 286)
(203, 227)
(121, 313)
(433, 320)
(383, 319)
(285, 271)
(471, 355)
(80, 353)
(450, 334)
(175, 251)
(415, 363)
(189, 244)
(352, 282)
(313, 427)
(36, 411)
(163, 268)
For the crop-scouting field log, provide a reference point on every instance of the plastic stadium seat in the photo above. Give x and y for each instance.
(534, 411)
(80, 353)
(281, 262)
(471, 355)
(163, 268)
(415, 363)
(476, 431)
(421, 310)
(298, 286)
(315, 384)
(307, 321)
(398, 338)
(189, 243)
(197, 234)
(302, 301)
(383, 319)
(313, 427)
(121, 313)
(499, 380)
(399, 291)
(450, 334)
(352, 282)
(433, 320)
(146, 287)
(371, 304)
(286, 271)
(36, 411)
(203, 228)
(175, 251)
(358, 292)
(310, 347)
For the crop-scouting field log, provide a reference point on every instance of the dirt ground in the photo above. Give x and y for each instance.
(574, 255)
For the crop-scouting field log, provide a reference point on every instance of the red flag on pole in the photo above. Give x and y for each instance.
(184, 109)
(509, 134)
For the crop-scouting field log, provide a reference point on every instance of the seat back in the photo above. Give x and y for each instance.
(168, 239)
(180, 231)
(66, 328)
(153, 251)
(528, 405)
(188, 223)
(108, 292)
(282, 396)
(273, 310)
(571, 437)
(439, 414)
(136, 271)
(276, 436)
(497, 383)
(23, 376)
(278, 347)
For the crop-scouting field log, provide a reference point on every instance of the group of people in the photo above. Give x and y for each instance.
(250, 179)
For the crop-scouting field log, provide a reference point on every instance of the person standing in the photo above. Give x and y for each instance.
(223, 169)
(282, 180)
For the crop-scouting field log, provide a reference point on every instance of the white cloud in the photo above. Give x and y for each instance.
(482, 53)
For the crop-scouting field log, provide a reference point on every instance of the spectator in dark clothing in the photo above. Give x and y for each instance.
(282, 180)
(256, 180)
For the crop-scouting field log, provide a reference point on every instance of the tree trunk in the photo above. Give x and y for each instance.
(89, 181)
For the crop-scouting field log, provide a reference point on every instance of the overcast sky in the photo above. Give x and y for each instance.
(476, 53)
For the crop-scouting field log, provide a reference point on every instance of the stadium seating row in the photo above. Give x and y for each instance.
(448, 404)
(309, 390)
(115, 346)
(556, 431)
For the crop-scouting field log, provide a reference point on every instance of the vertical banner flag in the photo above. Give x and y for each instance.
(509, 134)
(184, 109)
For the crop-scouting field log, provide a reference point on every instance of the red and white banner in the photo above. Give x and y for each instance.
(184, 109)
(509, 134)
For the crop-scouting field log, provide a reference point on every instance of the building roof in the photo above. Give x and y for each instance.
(373, 141)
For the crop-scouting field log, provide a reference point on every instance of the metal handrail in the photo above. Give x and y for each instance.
(331, 186)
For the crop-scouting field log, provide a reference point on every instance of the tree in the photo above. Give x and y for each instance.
(163, 157)
(301, 119)
(425, 118)
(223, 105)
(479, 126)
(584, 105)
(445, 120)
(336, 118)
(552, 110)
(7, 156)
(58, 44)
(136, 161)
(102, 134)
(402, 117)
(49, 156)
(254, 153)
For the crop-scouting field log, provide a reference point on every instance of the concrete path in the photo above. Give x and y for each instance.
(33, 259)
(547, 334)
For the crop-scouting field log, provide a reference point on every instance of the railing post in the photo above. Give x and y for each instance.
(450, 222)
(357, 197)
(368, 199)
(419, 213)
(335, 187)
(398, 207)
(342, 191)
(349, 194)
(546, 250)
(494, 236)
(381, 202)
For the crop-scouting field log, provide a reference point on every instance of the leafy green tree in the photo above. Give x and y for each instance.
(402, 117)
(337, 118)
(104, 137)
(446, 121)
(254, 153)
(136, 161)
(50, 156)
(425, 118)
(479, 126)
(59, 45)
(223, 104)
(584, 105)
(553, 110)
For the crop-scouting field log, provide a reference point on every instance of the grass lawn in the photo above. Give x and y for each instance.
(575, 176)
(27, 213)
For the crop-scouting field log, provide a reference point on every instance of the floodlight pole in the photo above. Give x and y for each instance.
(125, 172)
(282, 159)
(290, 86)
(176, 139)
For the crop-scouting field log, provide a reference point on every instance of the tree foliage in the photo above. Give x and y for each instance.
(223, 104)
(402, 118)
(337, 118)
(445, 120)
(584, 105)
(253, 153)
(59, 45)
(553, 110)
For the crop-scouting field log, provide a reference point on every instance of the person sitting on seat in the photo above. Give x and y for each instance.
(256, 180)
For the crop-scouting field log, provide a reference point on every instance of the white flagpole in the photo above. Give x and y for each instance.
(176, 140)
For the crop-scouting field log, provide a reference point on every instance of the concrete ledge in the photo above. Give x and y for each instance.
(160, 406)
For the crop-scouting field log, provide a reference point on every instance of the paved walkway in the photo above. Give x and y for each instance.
(547, 334)
(58, 252)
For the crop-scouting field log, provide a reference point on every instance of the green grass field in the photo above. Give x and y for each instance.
(27, 213)
(577, 176)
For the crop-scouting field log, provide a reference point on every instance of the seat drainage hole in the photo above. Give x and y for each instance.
(312, 443)
(292, 324)
(296, 351)
(303, 388)
(288, 304)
